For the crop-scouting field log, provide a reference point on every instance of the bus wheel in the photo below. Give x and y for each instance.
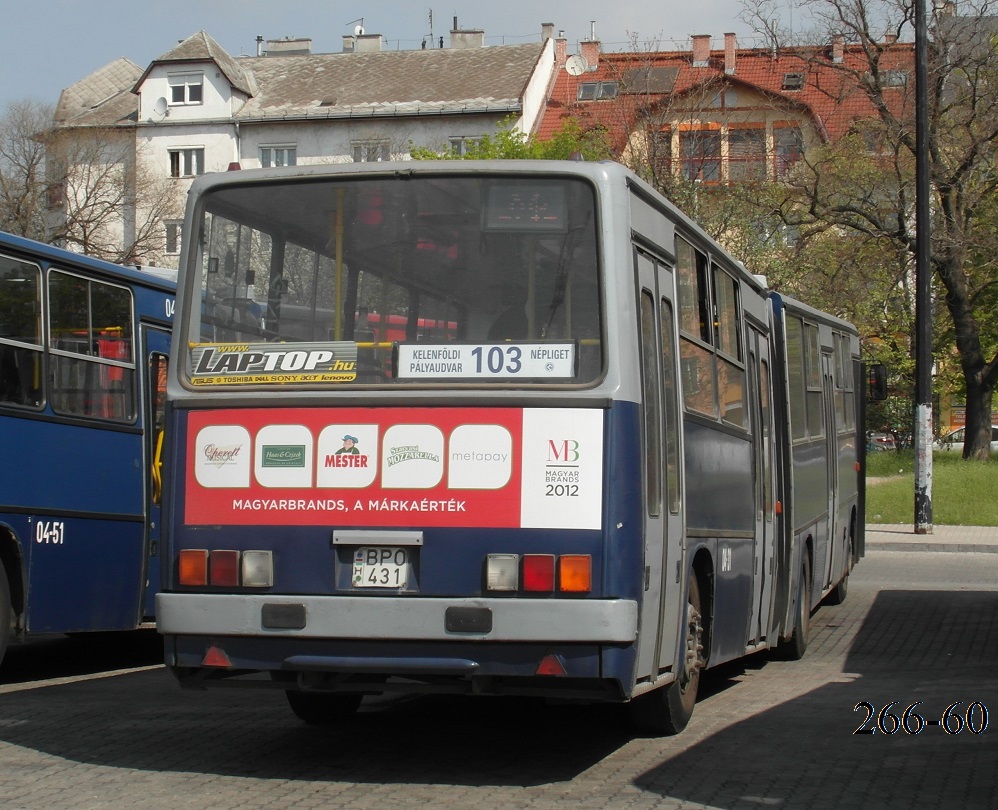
(668, 710)
(795, 647)
(323, 709)
(838, 594)
(6, 612)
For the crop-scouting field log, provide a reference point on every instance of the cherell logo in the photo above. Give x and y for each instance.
(220, 456)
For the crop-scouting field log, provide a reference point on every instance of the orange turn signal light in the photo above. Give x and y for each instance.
(575, 573)
(193, 566)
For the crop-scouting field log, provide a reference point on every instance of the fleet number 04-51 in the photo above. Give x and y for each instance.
(50, 532)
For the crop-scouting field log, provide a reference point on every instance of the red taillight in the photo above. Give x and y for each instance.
(538, 572)
(223, 568)
(551, 665)
(215, 657)
(193, 567)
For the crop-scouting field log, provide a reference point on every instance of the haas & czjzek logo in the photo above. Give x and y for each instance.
(283, 455)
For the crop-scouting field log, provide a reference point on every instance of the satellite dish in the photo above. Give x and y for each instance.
(358, 31)
(576, 65)
(160, 107)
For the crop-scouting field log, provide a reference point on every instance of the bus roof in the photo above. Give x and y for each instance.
(159, 278)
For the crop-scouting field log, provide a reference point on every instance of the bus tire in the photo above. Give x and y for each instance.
(838, 594)
(322, 708)
(668, 710)
(796, 645)
(6, 612)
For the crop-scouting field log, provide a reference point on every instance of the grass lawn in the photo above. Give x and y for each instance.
(964, 493)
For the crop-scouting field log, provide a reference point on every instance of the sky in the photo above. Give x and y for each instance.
(51, 44)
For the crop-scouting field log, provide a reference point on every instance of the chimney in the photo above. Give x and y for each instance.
(590, 49)
(467, 38)
(368, 43)
(890, 39)
(730, 49)
(838, 48)
(289, 46)
(701, 50)
(560, 50)
(547, 31)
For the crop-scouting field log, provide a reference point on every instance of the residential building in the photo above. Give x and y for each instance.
(198, 109)
(726, 115)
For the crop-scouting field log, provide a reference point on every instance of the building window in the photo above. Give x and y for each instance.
(186, 88)
(588, 91)
(700, 153)
(788, 144)
(370, 151)
(894, 78)
(746, 155)
(793, 81)
(460, 146)
(726, 99)
(278, 156)
(173, 230)
(660, 152)
(186, 162)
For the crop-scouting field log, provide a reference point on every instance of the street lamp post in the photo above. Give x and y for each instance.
(923, 284)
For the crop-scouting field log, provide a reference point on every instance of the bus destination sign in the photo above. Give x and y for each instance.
(498, 361)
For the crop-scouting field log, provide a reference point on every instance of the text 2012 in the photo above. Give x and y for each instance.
(889, 721)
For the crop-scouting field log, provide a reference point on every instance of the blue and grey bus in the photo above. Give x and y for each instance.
(592, 457)
(83, 351)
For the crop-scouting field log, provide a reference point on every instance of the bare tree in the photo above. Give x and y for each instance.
(105, 200)
(870, 189)
(22, 169)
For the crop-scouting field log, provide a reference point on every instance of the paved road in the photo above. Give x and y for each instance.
(917, 626)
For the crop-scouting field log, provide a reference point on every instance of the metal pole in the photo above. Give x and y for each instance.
(923, 284)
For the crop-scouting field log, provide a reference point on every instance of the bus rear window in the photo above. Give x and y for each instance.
(388, 281)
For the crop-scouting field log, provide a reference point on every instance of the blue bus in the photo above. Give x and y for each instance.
(591, 457)
(83, 352)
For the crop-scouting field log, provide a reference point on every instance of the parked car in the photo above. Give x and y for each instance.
(880, 441)
(953, 441)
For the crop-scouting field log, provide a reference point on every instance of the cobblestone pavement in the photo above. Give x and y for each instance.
(917, 626)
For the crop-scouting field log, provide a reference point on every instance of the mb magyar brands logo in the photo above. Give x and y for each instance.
(283, 455)
(220, 456)
(563, 451)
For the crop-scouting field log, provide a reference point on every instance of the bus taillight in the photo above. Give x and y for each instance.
(193, 567)
(538, 572)
(225, 569)
(575, 573)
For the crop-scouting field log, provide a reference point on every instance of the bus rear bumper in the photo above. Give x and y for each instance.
(598, 621)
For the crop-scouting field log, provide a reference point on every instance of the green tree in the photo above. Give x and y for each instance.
(846, 188)
(509, 143)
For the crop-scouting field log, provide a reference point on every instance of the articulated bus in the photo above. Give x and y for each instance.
(623, 460)
(83, 351)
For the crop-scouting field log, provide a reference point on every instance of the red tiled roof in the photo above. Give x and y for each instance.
(830, 94)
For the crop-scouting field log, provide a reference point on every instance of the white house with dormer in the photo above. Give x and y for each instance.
(197, 109)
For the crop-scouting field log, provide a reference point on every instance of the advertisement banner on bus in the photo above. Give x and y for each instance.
(473, 467)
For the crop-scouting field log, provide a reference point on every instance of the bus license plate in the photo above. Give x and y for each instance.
(380, 567)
